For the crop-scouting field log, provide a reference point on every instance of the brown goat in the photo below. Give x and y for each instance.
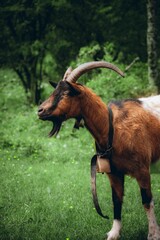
(136, 139)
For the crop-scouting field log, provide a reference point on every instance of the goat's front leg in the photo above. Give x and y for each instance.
(145, 186)
(117, 184)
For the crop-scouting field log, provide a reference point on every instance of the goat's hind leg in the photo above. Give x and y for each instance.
(117, 184)
(147, 201)
(154, 229)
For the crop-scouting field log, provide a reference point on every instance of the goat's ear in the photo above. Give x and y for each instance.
(53, 84)
(74, 90)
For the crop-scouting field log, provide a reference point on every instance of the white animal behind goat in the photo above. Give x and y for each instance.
(152, 104)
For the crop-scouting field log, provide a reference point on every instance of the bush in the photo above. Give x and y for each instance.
(107, 83)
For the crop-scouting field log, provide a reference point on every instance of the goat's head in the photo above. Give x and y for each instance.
(64, 101)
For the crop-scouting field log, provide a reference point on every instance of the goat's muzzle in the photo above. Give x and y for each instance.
(40, 113)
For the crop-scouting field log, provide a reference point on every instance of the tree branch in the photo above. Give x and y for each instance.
(131, 64)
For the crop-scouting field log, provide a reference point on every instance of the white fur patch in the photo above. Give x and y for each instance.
(152, 104)
(154, 229)
(114, 233)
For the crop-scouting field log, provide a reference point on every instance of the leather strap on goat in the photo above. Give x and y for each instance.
(93, 186)
(106, 154)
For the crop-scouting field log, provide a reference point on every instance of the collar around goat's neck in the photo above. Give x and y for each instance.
(107, 152)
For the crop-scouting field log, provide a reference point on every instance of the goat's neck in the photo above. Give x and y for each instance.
(95, 115)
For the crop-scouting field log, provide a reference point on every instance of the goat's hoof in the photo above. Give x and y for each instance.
(112, 235)
(155, 235)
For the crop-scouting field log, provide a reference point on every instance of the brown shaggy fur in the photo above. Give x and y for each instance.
(136, 141)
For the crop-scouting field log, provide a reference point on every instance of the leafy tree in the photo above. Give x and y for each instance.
(25, 28)
(30, 29)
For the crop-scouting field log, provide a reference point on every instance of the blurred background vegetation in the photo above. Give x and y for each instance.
(40, 39)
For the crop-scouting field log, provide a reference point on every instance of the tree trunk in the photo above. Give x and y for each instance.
(152, 45)
(31, 84)
(35, 92)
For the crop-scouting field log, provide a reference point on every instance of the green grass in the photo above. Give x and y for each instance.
(45, 182)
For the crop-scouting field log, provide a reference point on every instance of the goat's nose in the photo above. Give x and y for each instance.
(40, 111)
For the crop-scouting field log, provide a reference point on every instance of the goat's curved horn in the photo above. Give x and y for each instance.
(77, 72)
(67, 73)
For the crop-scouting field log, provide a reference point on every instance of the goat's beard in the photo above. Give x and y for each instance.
(56, 127)
(57, 123)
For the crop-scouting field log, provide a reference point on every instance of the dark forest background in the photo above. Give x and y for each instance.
(40, 39)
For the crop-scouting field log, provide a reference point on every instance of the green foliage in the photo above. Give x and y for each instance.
(49, 67)
(88, 53)
(134, 84)
(26, 30)
(106, 83)
(30, 30)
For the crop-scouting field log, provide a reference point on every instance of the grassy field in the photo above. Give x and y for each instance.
(45, 182)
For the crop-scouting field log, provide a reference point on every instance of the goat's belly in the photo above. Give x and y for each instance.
(132, 163)
(131, 166)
